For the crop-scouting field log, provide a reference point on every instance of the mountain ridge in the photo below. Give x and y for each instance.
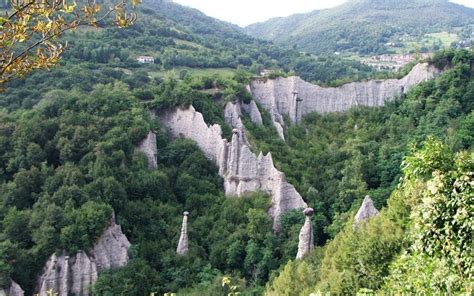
(179, 38)
(375, 22)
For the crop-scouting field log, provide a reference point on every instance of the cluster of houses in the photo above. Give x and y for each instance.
(394, 62)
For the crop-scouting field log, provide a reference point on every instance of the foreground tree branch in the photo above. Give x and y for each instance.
(30, 30)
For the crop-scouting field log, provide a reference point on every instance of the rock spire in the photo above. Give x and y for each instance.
(148, 147)
(366, 211)
(74, 275)
(13, 290)
(252, 110)
(243, 171)
(183, 247)
(306, 242)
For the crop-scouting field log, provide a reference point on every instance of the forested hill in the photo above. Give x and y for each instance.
(364, 26)
(67, 163)
(182, 40)
(70, 160)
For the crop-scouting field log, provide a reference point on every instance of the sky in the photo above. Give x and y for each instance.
(246, 12)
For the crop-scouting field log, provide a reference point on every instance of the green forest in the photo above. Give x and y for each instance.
(367, 27)
(395, 154)
(181, 40)
(68, 164)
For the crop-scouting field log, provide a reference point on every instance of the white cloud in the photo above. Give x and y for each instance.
(468, 3)
(245, 12)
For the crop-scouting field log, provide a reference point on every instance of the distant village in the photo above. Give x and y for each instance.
(394, 62)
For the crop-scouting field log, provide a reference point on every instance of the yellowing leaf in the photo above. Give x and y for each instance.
(69, 8)
(21, 37)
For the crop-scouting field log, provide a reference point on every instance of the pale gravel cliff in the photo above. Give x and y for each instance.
(242, 170)
(252, 110)
(366, 211)
(13, 290)
(279, 96)
(74, 275)
(148, 147)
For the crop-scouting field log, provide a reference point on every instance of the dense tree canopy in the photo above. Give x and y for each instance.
(367, 27)
(334, 160)
(422, 241)
(180, 40)
(68, 162)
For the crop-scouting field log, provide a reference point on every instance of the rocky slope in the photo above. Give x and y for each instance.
(148, 147)
(73, 275)
(243, 171)
(366, 211)
(13, 290)
(296, 98)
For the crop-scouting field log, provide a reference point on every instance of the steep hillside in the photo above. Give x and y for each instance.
(292, 98)
(335, 159)
(363, 26)
(183, 42)
(122, 178)
(71, 161)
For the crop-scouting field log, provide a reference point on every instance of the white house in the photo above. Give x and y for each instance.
(266, 72)
(146, 59)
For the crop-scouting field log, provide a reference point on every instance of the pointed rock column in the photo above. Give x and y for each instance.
(297, 101)
(252, 110)
(148, 147)
(306, 243)
(16, 290)
(234, 153)
(13, 290)
(73, 275)
(183, 248)
(366, 211)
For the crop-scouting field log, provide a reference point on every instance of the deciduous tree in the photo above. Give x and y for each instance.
(30, 30)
